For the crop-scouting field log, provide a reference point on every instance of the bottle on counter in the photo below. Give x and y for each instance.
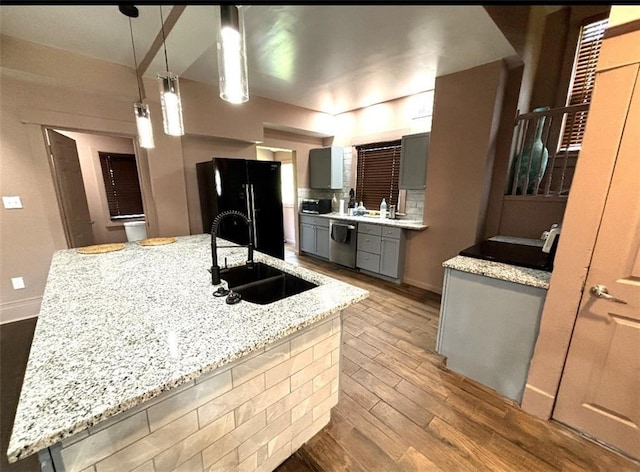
(383, 209)
(361, 210)
(352, 200)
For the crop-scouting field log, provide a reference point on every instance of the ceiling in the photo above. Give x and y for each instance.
(326, 58)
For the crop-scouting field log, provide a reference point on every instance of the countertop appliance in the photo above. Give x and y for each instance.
(317, 206)
(234, 184)
(521, 255)
(342, 242)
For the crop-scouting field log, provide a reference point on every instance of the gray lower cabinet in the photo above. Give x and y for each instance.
(322, 242)
(314, 235)
(488, 329)
(307, 237)
(381, 251)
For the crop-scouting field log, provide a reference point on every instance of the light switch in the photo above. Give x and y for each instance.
(17, 282)
(12, 202)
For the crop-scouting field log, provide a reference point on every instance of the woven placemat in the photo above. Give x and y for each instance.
(101, 248)
(156, 241)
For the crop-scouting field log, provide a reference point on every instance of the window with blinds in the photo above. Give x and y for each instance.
(120, 176)
(583, 77)
(377, 174)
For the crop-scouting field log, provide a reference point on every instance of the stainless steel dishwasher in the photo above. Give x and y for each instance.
(342, 242)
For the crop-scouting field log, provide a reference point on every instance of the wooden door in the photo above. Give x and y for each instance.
(70, 187)
(600, 388)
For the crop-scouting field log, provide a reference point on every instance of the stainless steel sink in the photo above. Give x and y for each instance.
(263, 284)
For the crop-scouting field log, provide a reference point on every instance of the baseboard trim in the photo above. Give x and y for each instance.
(20, 310)
(425, 286)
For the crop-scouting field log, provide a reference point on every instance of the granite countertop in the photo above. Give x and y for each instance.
(398, 223)
(500, 271)
(117, 329)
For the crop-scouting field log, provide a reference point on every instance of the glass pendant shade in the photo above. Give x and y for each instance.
(143, 122)
(232, 58)
(171, 104)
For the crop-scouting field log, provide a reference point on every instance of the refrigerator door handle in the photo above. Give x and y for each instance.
(253, 219)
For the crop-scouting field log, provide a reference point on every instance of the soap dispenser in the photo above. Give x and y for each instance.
(383, 209)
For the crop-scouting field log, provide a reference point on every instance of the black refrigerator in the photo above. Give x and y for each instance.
(232, 184)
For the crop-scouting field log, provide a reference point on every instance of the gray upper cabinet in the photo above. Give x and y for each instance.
(413, 161)
(325, 167)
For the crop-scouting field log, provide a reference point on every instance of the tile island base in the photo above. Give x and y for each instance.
(250, 414)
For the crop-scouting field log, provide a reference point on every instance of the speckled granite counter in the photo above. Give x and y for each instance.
(405, 224)
(500, 271)
(118, 329)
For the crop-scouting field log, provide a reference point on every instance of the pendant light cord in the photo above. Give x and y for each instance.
(135, 61)
(164, 40)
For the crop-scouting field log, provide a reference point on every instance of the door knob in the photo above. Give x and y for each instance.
(601, 291)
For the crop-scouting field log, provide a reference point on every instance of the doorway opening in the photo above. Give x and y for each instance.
(94, 176)
(287, 186)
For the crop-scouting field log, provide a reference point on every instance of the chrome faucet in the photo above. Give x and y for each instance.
(215, 269)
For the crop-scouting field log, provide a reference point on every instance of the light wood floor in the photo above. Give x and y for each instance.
(400, 409)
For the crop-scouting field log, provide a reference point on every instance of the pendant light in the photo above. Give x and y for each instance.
(141, 110)
(170, 95)
(232, 58)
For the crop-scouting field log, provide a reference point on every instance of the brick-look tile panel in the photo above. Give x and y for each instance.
(248, 416)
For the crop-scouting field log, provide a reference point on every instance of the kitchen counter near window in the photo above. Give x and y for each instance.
(375, 220)
(118, 329)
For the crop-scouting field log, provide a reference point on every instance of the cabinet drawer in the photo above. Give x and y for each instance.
(322, 222)
(367, 228)
(389, 232)
(307, 219)
(368, 261)
(314, 220)
(369, 243)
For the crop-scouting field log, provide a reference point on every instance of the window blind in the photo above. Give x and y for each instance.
(121, 183)
(378, 173)
(583, 77)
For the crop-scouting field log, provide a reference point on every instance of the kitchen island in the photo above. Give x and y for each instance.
(489, 320)
(135, 365)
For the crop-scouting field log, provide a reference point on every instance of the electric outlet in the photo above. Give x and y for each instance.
(17, 282)
(12, 202)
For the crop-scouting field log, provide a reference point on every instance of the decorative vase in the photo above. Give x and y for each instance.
(536, 153)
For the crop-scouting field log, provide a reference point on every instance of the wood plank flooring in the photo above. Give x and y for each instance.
(400, 409)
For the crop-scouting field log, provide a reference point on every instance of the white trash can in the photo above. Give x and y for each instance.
(135, 230)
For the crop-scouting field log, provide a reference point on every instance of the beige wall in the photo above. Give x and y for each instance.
(468, 104)
(89, 145)
(385, 121)
(528, 217)
(264, 154)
